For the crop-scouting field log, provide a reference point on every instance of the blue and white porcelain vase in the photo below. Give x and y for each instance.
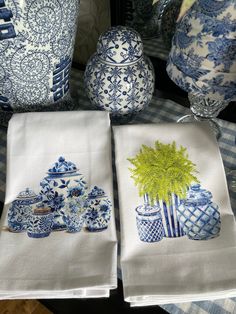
(36, 48)
(62, 183)
(40, 222)
(119, 78)
(149, 223)
(202, 60)
(98, 210)
(170, 219)
(74, 215)
(198, 215)
(21, 209)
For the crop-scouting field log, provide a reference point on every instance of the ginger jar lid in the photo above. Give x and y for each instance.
(62, 166)
(197, 196)
(28, 196)
(148, 210)
(96, 193)
(120, 45)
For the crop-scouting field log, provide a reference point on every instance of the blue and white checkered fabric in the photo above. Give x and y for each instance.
(160, 110)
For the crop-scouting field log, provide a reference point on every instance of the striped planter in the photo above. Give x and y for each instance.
(170, 219)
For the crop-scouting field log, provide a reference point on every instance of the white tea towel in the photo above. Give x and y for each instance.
(183, 248)
(58, 237)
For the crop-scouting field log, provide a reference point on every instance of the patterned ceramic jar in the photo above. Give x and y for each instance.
(40, 223)
(98, 210)
(118, 77)
(21, 209)
(36, 48)
(62, 183)
(198, 215)
(149, 223)
(74, 215)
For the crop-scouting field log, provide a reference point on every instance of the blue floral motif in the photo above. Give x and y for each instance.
(98, 211)
(222, 50)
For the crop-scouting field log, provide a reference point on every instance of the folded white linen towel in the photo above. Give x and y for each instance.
(178, 235)
(57, 237)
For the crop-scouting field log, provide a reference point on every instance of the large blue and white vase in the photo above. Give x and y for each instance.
(63, 182)
(36, 48)
(21, 209)
(198, 215)
(119, 78)
(74, 214)
(98, 212)
(170, 219)
(149, 222)
(40, 222)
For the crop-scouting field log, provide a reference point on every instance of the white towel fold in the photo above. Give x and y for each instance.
(176, 269)
(58, 263)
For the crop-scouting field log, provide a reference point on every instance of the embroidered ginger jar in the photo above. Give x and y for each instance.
(198, 215)
(62, 183)
(40, 223)
(21, 209)
(149, 223)
(98, 210)
(119, 78)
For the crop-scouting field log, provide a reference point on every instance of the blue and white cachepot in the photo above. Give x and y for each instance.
(36, 48)
(149, 223)
(21, 209)
(74, 215)
(98, 212)
(62, 183)
(119, 78)
(40, 223)
(198, 215)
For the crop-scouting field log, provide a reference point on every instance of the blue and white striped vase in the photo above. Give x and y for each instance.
(198, 215)
(170, 219)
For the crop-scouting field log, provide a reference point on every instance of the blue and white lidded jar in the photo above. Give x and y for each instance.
(119, 78)
(98, 210)
(149, 223)
(74, 215)
(198, 215)
(62, 183)
(40, 223)
(20, 210)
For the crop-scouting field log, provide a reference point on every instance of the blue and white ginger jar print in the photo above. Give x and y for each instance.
(149, 223)
(98, 210)
(198, 215)
(202, 60)
(62, 183)
(74, 215)
(21, 209)
(40, 222)
(119, 78)
(36, 48)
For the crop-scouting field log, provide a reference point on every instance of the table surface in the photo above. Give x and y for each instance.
(159, 110)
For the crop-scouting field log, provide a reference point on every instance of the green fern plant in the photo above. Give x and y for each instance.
(163, 170)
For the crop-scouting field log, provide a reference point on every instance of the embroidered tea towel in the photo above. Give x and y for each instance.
(178, 235)
(58, 236)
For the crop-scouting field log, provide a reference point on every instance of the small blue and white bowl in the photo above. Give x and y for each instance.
(21, 209)
(98, 212)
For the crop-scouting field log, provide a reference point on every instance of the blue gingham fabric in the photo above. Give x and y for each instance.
(160, 110)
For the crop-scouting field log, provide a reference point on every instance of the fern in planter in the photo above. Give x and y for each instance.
(163, 170)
